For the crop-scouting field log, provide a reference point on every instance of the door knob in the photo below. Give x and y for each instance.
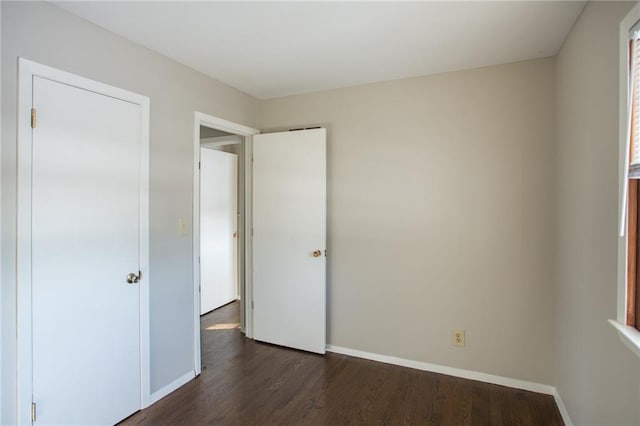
(132, 278)
(317, 253)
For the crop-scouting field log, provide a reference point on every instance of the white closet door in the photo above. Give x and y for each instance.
(218, 229)
(289, 223)
(85, 228)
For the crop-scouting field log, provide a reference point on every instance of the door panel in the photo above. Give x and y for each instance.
(85, 228)
(289, 224)
(218, 217)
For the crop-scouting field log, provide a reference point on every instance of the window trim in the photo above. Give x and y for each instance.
(633, 209)
(628, 335)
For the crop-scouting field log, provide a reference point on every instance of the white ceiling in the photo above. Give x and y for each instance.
(273, 49)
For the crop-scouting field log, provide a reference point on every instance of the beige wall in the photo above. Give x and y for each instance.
(450, 205)
(440, 215)
(44, 33)
(597, 377)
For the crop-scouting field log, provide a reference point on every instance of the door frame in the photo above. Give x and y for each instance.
(246, 285)
(26, 71)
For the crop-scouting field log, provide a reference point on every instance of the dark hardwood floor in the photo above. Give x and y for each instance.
(244, 382)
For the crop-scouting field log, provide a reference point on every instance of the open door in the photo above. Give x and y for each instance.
(218, 229)
(289, 239)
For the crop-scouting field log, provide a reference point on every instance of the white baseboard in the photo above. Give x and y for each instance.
(166, 390)
(450, 371)
(563, 410)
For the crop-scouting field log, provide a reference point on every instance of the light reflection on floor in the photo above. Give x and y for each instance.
(224, 326)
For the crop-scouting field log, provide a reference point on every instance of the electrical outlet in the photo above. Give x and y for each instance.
(457, 337)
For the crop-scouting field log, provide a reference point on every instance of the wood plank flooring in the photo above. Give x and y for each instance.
(244, 382)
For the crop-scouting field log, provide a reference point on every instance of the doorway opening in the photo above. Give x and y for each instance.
(219, 218)
(221, 227)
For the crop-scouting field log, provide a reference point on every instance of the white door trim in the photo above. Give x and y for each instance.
(247, 133)
(26, 71)
(220, 141)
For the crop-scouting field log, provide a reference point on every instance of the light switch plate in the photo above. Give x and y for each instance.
(183, 226)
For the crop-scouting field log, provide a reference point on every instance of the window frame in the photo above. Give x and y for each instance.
(632, 318)
(630, 336)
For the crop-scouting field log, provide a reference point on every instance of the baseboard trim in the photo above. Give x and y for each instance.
(166, 390)
(450, 371)
(563, 410)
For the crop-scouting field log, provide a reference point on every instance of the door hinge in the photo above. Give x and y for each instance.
(139, 275)
(252, 306)
(33, 412)
(33, 118)
(325, 253)
(198, 165)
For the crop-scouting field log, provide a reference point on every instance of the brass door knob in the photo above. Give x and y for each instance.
(317, 253)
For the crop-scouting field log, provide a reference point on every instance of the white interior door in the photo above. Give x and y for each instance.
(218, 229)
(85, 241)
(289, 239)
